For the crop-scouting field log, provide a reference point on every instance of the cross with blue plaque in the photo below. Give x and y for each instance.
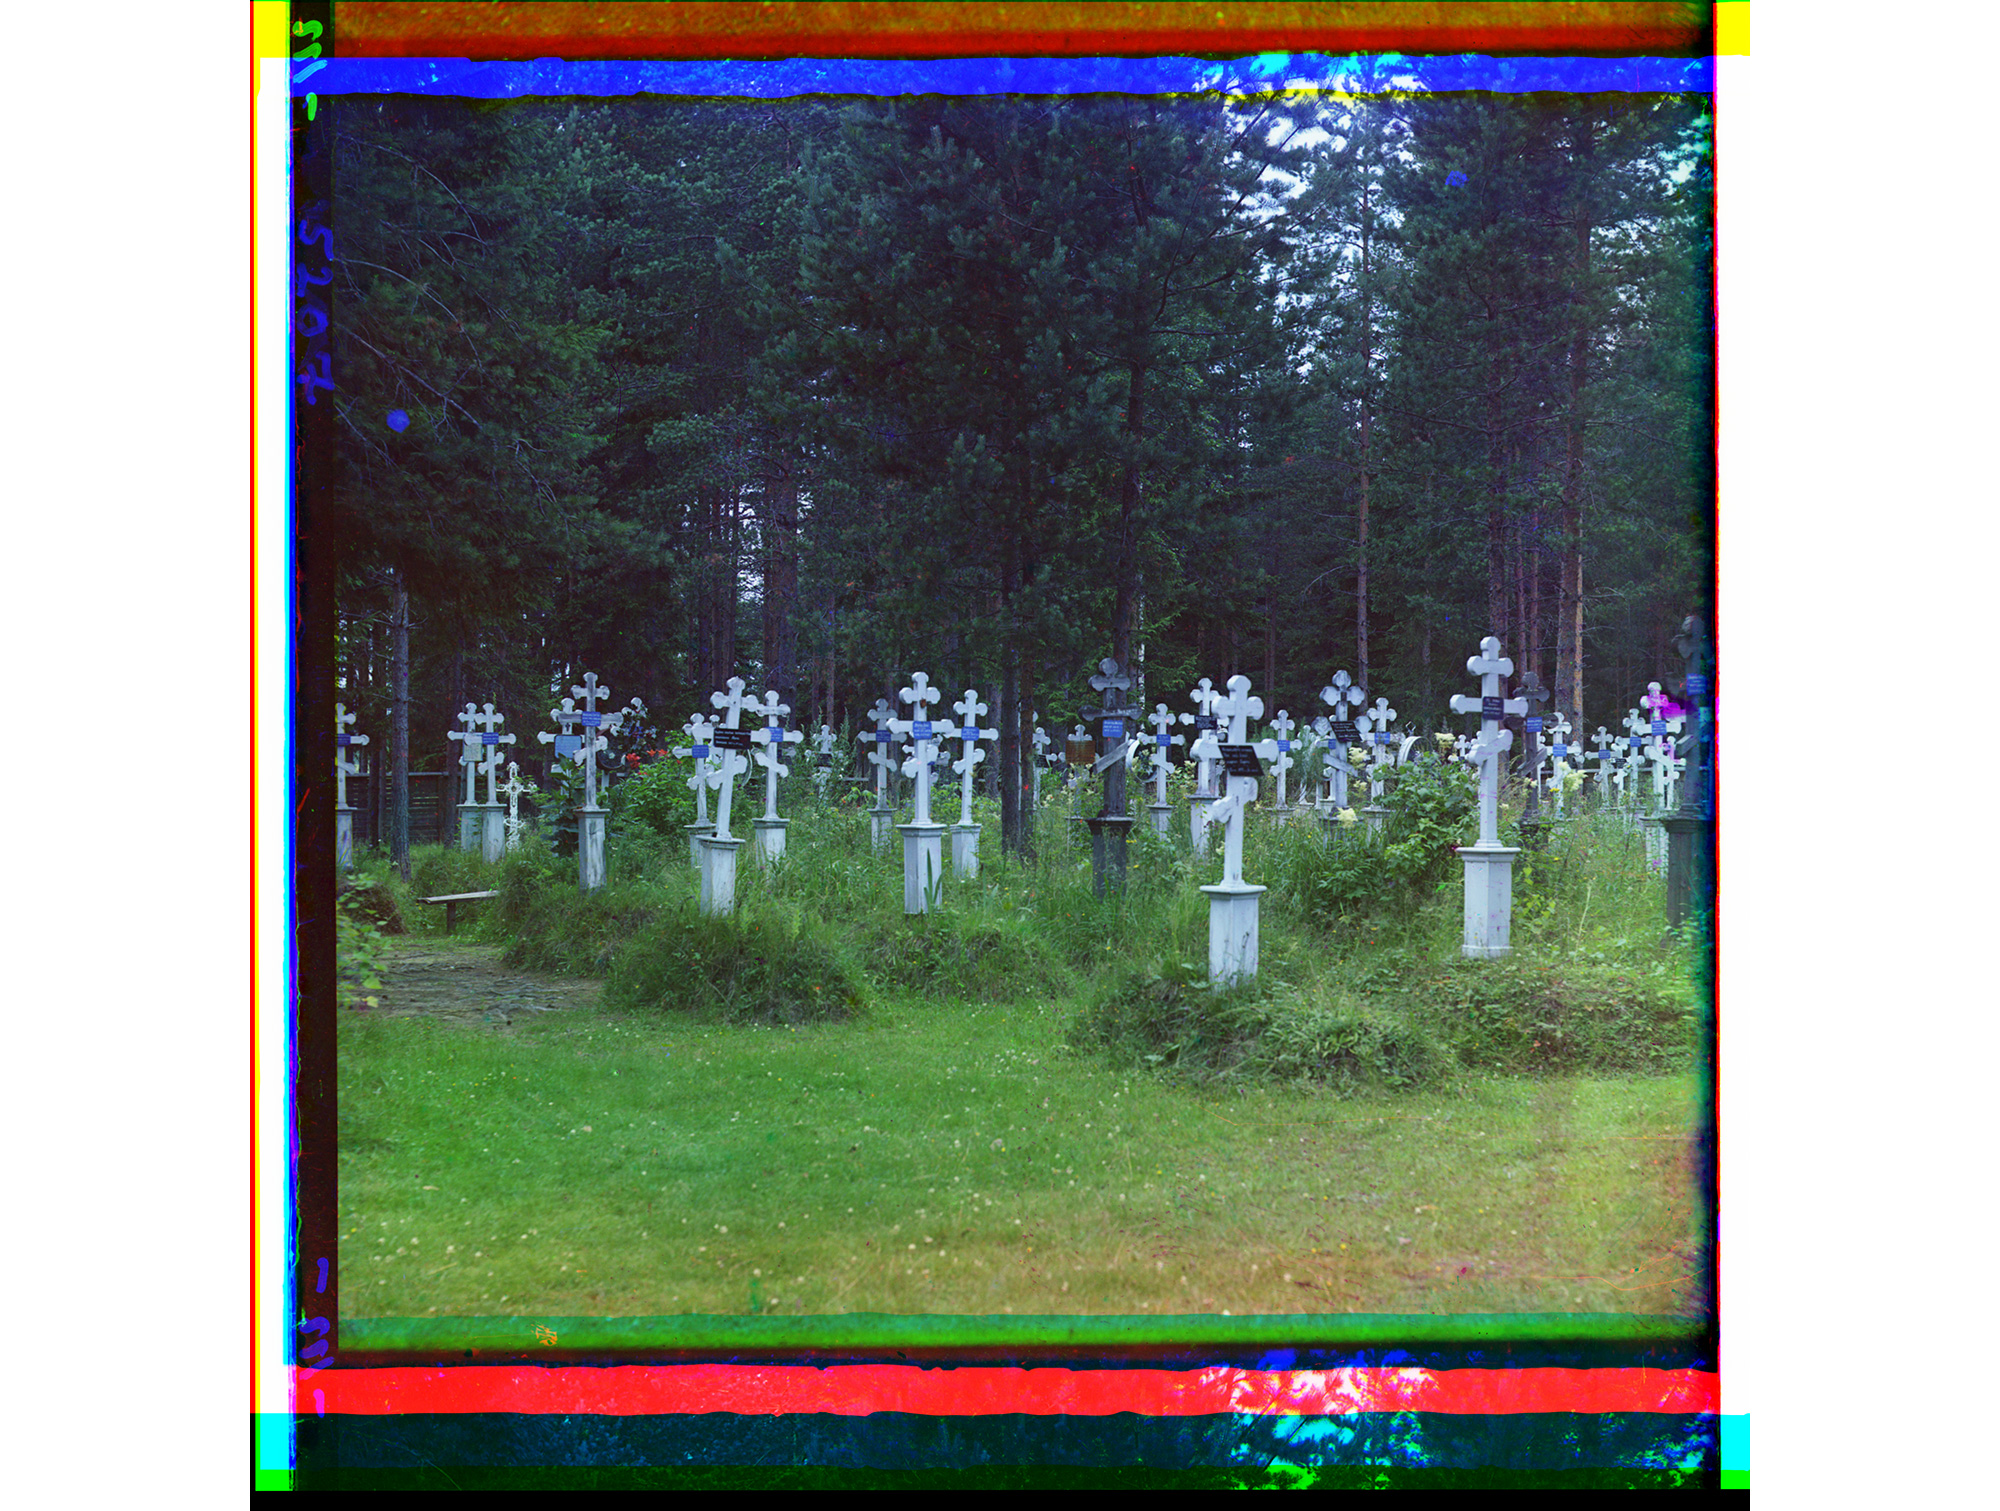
(969, 710)
(1162, 721)
(1494, 738)
(700, 731)
(1283, 726)
(342, 767)
(922, 756)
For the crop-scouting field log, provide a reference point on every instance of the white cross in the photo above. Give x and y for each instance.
(880, 755)
(566, 717)
(1337, 768)
(1205, 748)
(1235, 710)
(774, 741)
(921, 736)
(1380, 717)
(1040, 740)
(491, 744)
(1342, 693)
(342, 767)
(969, 709)
(1491, 705)
(469, 750)
(1284, 726)
(1162, 721)
(700, 731)
(730, 764)
(514, 787)
(592, 721)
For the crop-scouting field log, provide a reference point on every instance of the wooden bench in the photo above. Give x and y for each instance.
(452, 901)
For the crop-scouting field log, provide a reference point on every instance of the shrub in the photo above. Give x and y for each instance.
(552, 925)
(1509, 1015)
(659, 798)
(754, 967)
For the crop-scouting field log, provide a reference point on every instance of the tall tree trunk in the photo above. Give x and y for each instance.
(1531, 613)
(1569, 645)
(399, 730)
(1024, 836)
(781, 589)
(1367, 369)
(1126, 597)
(1496, 519)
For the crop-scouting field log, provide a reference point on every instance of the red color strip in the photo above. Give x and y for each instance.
(858, 1389)
(923, 29)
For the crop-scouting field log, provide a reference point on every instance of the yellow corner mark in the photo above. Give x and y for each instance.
(1732, 28)
(270, 28)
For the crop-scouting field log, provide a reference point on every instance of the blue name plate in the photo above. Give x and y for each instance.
(700, 752)
(968, 733)
(920, 729)
(1533, 724)
(1492, 708)
(1697, 685)
(1284, 744)
(568, 745)
(1163, 741)
(1562, 750)
(345, 739)
(1635, 742)
(489, 739)
(1659, 726)
(1114, 729)
(882, 737)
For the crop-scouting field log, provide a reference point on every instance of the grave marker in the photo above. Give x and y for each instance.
(1160, 809)
(882, 756)
(923, 855)
(1206, 750)
(343, 768)
(1117, 720)
(701, 733)
(1690, 837)
(730, 758)
(1560, 728)
(1489, 865)
(492, 821)
(468, 757)
(822, 767)
(1532, 693)
(513, 788)
(1375, 735)
(1232, 902)
(965, 833)
(1281, 728)
(1040, 741)
(772, 740)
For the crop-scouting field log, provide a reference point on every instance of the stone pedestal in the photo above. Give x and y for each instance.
(468, 826)
(718, 875)
(1107, 853)
(965, 851)
(343, 839)
(696, 833)
(1376, 815)
(1162, 815)
(923, 865)
(590, 848)
(1198, 822)
(493, 833)
(881, 824)
(1688, 851)
(770, 839)
(1232, 931)
(1489, 900)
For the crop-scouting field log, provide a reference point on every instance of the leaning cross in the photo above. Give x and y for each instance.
(775, 738)
(1162, 721)
(1492, 705)
(918, 728)
(342, 767)
(732, 744)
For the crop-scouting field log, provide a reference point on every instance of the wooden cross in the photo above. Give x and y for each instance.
(774, 738)
(699, 732)
(969, 709)
(922, 739)
(880, 755)
(1117, 721)
(1492, 705)
(730, 762)
(342, 767)
(1235, 710)
(1162, 721)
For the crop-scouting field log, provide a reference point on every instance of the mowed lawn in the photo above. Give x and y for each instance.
(962, 1158)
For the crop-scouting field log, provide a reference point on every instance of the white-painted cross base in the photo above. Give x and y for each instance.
(770, 839)
(965, 851)
(881, 824)
(590, 848)
(1198, 807)
(696, 833)
(492, 833)
(468, 826)
(718, 875)
(923, 865)
(1376, 815)
(343, 838)
(1489, 900)
(1232, 931)
(1162, 815)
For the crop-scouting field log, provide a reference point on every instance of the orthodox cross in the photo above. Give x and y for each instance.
(1239, 764)
(1492, 705)
(969, 709)
(775, 738)
(1205, 746)
(1284, 726)
(469, 748)
(1118, 722)
(513, 787)
(592, 719)
(1338, 767)
(922, 739)
(1162, 721)
(491, 743)
(1532, 693)
(880, 756)
(732, 749)
(342, 767)
(567, 741)
(699, 732)
(1341, 730)
(1381, 716)
(1040, 740)
(1691, 644)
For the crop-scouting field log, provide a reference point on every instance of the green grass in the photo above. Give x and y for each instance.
(988, 1122)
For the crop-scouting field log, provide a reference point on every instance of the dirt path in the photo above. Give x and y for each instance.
(469, 985)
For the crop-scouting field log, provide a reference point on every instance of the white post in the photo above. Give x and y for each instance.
(732, 759)
(1161, 811)
(1489, 865)
(1233, 902)
(965, 833)
(343, 816)
(923, 850)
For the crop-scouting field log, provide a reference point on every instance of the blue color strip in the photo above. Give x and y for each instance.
(1001, 76)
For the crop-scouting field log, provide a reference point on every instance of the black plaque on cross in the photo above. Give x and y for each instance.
(1241, 760)
(1345, 732)
(732, 739)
